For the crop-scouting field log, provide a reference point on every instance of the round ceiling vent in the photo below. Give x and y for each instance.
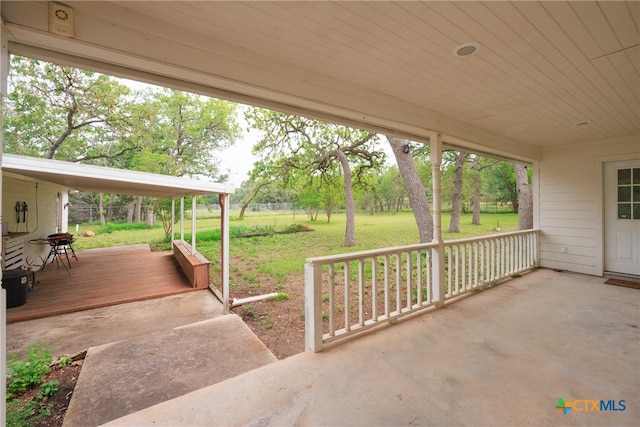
(466, 49)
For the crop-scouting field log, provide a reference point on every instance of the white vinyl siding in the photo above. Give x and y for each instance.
(42, 210)
(571, 202)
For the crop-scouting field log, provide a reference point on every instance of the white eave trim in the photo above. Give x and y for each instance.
(83, 176)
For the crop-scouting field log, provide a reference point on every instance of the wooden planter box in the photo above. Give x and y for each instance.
(195, 268)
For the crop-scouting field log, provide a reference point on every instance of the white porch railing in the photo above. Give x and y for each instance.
(350, 293)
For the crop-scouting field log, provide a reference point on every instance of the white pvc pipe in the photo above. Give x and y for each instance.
(240, 301)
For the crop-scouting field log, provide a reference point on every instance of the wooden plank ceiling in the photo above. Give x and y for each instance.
(540, 68)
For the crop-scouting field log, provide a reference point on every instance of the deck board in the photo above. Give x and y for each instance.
(101, 278)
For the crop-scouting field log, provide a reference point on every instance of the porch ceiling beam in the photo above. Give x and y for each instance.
(300, 92)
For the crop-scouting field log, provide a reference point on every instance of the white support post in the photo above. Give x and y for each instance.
(4, 75)
(181, 220)
(173, 219)
(223, 200)
(313, 307)
(193, 225)
(536, 217)
(438, 252)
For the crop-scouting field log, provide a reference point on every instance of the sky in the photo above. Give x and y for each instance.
(238, 159)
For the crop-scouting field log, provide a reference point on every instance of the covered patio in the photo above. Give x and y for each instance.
(502, 357)
(550, 84)
(101, 278)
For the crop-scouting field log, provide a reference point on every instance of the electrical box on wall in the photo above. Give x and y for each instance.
(60, 19)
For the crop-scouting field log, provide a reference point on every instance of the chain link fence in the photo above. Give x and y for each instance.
(89, 214)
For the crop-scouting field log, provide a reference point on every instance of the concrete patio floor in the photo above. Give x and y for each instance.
(502, 357)
(75, 332)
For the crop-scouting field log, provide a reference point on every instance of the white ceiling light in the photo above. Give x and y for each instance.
(466, 49)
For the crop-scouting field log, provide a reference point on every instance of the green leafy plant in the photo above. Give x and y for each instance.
(22, 375)
(64, 361)
(48, 389)
(25, 374)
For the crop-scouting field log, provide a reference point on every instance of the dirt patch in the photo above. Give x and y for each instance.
(278, 323)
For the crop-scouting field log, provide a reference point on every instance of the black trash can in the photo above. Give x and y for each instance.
(16, 282)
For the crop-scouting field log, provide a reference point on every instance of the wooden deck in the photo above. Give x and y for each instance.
(102, 278)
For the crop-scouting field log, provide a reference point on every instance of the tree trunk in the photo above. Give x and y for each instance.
(454, 221)
(137, 210)
(253, 194)
(151, 221)
(328, 211)
(350, 232)
(417, 195)
(312, 213)
(130, 208)
(112, 197)
(477, 186)
(398, 204)
(525, 198)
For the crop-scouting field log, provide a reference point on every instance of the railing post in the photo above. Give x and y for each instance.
(438, 274)
(313, 307)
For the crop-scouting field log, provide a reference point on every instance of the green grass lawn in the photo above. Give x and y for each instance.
(275, 262)
(281, 255)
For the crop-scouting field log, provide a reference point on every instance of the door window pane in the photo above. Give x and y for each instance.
(624, 176)
(629, 193)
(624, 194)
(624, 210)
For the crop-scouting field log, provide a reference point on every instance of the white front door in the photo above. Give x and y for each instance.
(622, 217)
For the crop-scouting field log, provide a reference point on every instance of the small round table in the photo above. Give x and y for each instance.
(43, 242)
